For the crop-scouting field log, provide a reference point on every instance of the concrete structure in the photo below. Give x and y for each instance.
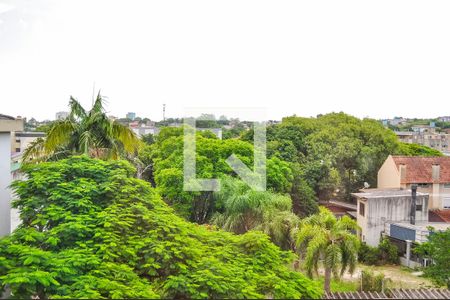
(432, 139)
(217, 131)
(21, 140)
(375, 207)
(143, 130)
(407, 236)
(7, 125)
(131, 116)
(61, 115)
(431, 174)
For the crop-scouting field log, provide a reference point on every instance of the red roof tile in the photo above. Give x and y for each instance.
(419, 169)
(444, 214)
(434, 217)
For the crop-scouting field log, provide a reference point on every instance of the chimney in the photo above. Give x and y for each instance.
(412, 214)
(436, 170)
(402, 168)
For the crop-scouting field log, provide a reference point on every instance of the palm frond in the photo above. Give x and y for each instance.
(76, 110)
(58, 135)
(35, 152)
(126, 137)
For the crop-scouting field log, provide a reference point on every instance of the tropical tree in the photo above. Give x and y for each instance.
(323, 237)
(240, 209)
(84, 132)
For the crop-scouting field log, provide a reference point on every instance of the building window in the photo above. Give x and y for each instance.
(17, 150)
(361, 209)
(423, 185)
(419, 204)
(446, 185)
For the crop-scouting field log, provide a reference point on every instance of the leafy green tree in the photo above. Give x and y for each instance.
(91, 230)
(323, 237)
(148, 138)
(437, 249)
(240, 209)
(417, 150)
(84, 132)
(335, 151)
(211, 155)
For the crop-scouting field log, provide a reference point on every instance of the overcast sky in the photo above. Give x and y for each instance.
(367, 58)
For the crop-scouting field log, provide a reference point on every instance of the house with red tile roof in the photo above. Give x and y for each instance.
(431, 174)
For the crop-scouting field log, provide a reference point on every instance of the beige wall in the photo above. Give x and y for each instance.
(388, 175)
(437, 193)
(362, 220)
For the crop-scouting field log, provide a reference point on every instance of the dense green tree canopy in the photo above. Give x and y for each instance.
(417, 150)
(335, 152)
(211, 155)
(91, 230)
(438, 250)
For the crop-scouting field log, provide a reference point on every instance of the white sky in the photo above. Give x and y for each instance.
(367, 58)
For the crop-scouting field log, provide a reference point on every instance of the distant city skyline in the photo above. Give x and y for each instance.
(377, 59)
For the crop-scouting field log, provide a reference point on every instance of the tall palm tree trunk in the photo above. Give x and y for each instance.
(327, 280)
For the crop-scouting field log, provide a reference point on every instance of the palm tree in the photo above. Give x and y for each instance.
(84, 132)
(323, 237)
(242, 209)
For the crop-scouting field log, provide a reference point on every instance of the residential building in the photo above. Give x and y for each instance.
(21, 140)
(424, 128)
(375, 207)
(7, 125)
(431, 174)
(426, 136)
(143, 130)
(61, 115)
(217, 131)
(444, 119)
(131, 116)
(393, 214)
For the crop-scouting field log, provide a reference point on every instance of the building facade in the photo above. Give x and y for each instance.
(7, 126)
(431, 174)
(375, 207)
(61, 115)
(432, 139)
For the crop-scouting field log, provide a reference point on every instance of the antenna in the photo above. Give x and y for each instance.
(93, 93)
(164, 112)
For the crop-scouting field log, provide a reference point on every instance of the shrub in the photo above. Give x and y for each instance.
(385, 253)
(368, 255)
(388, 252)
(371, 282)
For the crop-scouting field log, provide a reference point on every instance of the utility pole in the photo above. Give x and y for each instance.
(412, 216)
(164, 112)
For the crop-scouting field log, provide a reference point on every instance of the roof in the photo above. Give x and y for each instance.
(383, 193)
(434, 217)
(419, 168)
(393, 294)
(30, 134)
(443, 214)
(336, 209)
(5, 117)
(421, 225)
